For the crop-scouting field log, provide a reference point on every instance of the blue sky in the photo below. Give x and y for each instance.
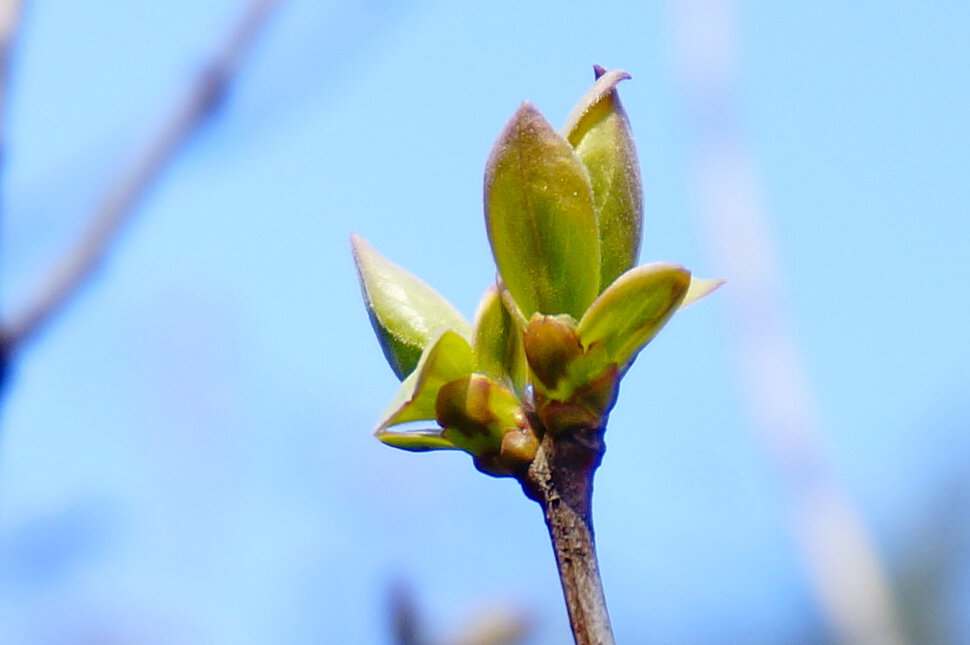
(186, 454)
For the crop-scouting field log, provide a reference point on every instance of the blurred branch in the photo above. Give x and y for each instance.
(10, 13)
(490, 625)
(849, 579)
(933, 562)
(403, 607)
(495, 625)
(119, 203)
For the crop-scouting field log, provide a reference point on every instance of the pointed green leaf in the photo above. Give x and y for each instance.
(633, 309)
(417, 440)
(497, 342)
(599, 131)
(406, 313)
(699, 288)
(540, 218)
(448, 358)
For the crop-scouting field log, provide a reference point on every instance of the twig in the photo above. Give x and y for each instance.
(10, 13)
(560, 479)
(119, 203)
(405, 622)
(841, 559)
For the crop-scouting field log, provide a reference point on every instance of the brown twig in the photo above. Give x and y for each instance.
(201, 100)
(560, 479)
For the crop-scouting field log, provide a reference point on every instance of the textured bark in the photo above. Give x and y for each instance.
(560, 479)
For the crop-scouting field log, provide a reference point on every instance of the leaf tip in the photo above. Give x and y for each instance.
(603, 87)
(357, 244)
(700, 288)
(365, 255)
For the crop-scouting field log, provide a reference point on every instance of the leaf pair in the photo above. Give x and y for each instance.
(563, 211)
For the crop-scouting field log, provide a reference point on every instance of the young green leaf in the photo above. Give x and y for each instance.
(448, 358)
(417, 440)
(599, 131)
(540, 218)
(633, 309)
(405, 312)
(497, 342)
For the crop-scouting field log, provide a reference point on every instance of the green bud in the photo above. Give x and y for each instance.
(486, 420)
(541, 219)
(588, 405)
(574, 386)
(476, 412)
(519, 447)
(559, 416)
(599, 131)
(405, 312)
(551, 347)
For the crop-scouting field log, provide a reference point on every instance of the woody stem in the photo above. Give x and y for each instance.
(560, 479)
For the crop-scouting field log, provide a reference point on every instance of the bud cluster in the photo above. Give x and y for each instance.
(569, 311)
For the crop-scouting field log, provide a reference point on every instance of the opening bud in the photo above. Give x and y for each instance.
(477, 413)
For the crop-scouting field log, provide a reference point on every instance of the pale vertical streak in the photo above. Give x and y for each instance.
(840, 558)
(10, 12)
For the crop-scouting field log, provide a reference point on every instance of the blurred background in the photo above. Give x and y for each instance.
(186, 452)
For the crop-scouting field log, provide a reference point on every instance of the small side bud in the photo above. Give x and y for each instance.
(551, 346)
(588, 406)
(559, 416)
(519, 447)
(476, 413)
(574, 386)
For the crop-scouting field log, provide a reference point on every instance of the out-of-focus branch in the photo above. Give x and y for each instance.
(491, 625)
(405, 622)
(495, 625)
(10, 12)
(849, 579)
(119, 203)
